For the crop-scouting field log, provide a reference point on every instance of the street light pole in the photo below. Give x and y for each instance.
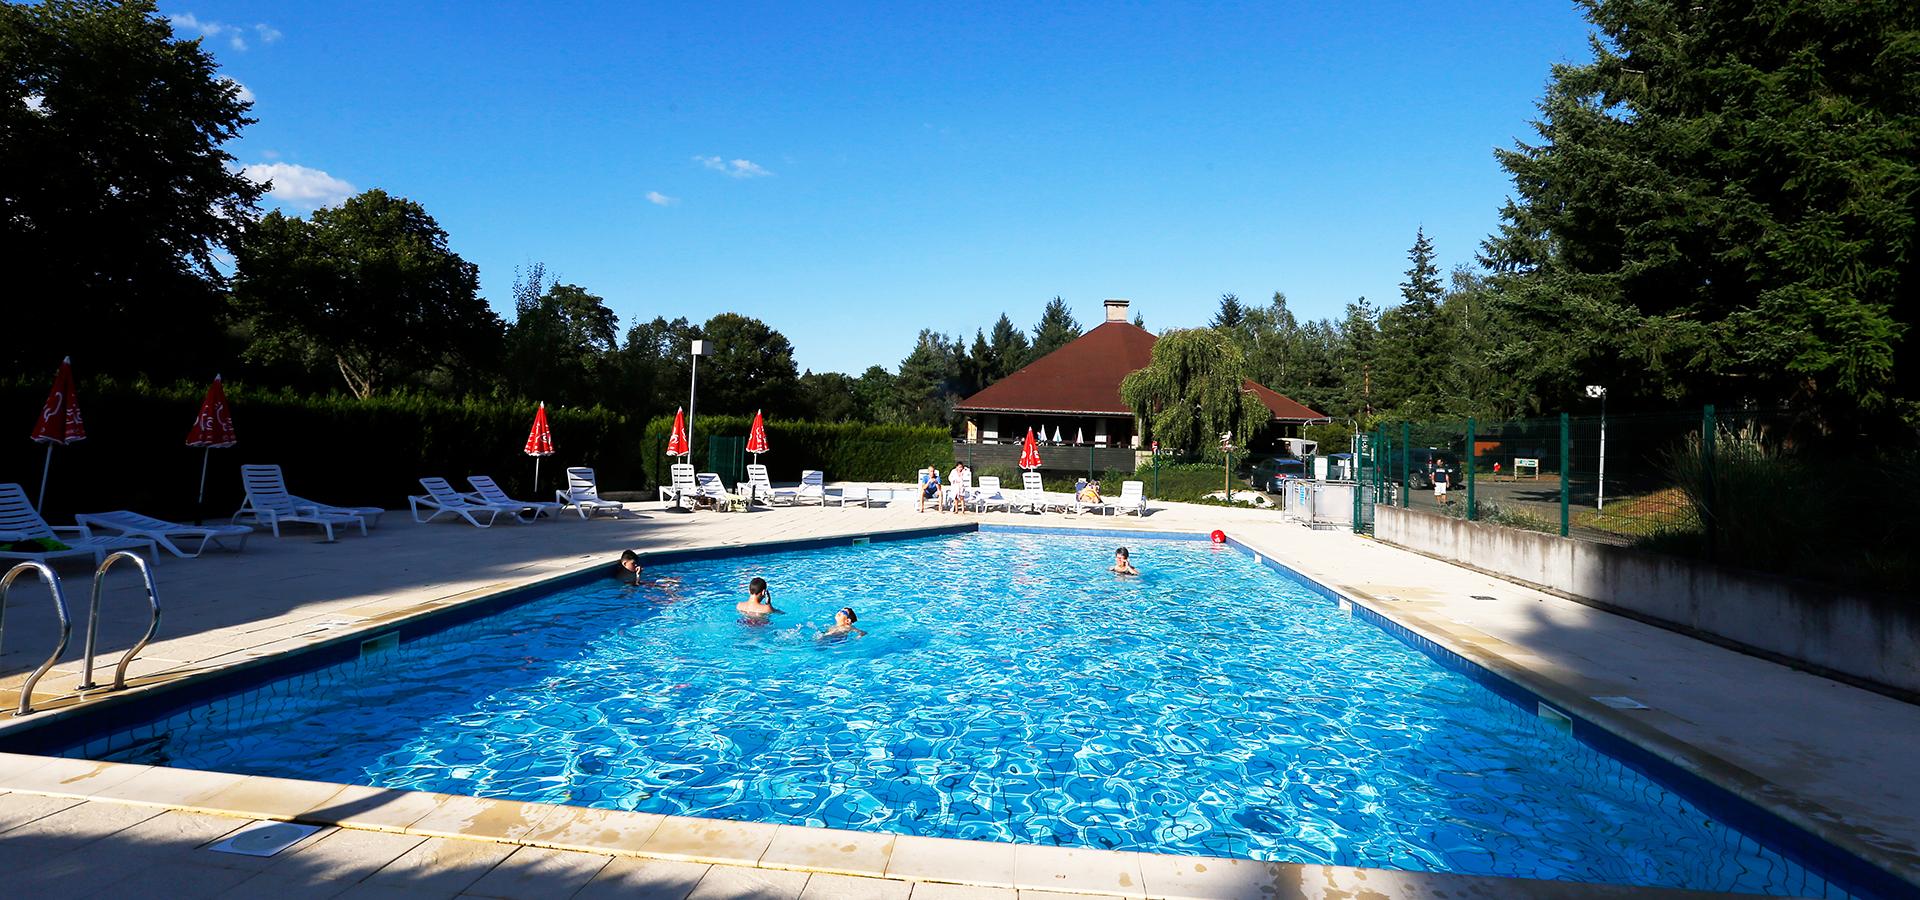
(697, 350)
(1600, 494)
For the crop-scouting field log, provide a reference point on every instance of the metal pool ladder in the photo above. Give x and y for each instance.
(52, 582)
(93, 620)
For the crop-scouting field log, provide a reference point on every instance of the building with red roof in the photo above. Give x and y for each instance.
(1071, 399)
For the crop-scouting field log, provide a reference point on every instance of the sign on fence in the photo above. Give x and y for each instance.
(1531, 464)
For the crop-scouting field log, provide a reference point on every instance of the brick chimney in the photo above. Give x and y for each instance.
(1117, 310)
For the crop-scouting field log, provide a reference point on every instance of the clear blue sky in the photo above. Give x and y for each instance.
(906, 165)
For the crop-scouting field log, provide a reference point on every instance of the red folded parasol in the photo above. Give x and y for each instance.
(757, 437)
(539, 441)
(677, 444)
(59, 421)
(212, 429)
(1029, 452)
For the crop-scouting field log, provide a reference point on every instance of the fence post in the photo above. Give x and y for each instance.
(1406, 462)
(1709, 430)
(1472, 463)
(1089, 462)
(1566, 441)
(1359, 480)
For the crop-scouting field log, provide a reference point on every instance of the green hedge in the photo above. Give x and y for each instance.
(845, 451)
(333, 448)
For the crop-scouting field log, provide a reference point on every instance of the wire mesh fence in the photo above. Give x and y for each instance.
(1758, 489)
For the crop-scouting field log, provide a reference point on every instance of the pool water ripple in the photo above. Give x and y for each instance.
(1009, 690)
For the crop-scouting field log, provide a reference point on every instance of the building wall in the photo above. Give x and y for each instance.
(1868, 639)
(1070, 460)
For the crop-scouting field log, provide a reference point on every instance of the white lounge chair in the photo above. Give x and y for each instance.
(988, 495)
(269, 504)
(19, 522)
(759, 489)
(1081, 507)
(583, 494)
(163, 533)
(681, 487)
(813, 487)
(1133, 498)
(961, 494)
(712, 491)
(1035, 496)
(487, 491)
(444, 500)
(842, 497)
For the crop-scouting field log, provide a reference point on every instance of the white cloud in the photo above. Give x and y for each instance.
(658, 199)
(246, 96)
(298, 185)
(733, 168)
(235, 35)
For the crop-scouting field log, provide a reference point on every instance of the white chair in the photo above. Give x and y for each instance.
(813, 486)
(960, 494)
(269, 504)
(163, 533)
(1082, 506)
(847, 495)
(583, 494)
(758, 487)
(19, 522)
(1035, 496)
(712, 491)
(988, 495)
(487, 491)
(1133, 498)
(369, 515)
(680, 488)
(444, 500)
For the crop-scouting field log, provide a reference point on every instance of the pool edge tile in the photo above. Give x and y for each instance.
(983, 863)
(694, 839)
(834, 851)
(1078, 870)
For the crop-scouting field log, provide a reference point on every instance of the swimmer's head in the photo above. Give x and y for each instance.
(1120, 554)
(630, 561)
(757, 587)
(846, 616)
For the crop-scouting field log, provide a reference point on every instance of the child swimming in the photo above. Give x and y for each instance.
(843, 624)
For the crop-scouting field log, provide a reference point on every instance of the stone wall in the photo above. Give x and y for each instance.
(1868, 639)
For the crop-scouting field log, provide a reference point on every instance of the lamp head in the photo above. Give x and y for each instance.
(1596, 391)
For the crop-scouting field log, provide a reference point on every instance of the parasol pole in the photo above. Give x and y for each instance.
(200, 499)
(41, 505)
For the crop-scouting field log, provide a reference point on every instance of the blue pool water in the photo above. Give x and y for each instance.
(1009, 689)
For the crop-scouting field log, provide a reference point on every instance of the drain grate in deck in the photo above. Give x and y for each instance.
(264, 838)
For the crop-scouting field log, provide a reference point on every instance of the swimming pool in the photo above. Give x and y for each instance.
(1009, 690)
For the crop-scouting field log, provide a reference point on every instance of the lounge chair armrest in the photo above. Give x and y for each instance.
(80, 530)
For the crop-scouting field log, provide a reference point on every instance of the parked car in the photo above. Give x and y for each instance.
(1267, 474)
(1423, 462)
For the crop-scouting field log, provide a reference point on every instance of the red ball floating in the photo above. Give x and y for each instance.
(1219, 537)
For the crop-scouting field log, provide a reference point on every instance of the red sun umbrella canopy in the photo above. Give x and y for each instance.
(213, 428)
(1029, 452)
(677, 444)
(60, 419)
(540, 437)
(757, 435)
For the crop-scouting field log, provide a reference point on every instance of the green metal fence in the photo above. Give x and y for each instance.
(1766, 490)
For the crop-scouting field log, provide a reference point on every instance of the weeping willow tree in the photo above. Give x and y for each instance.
(1193, 390)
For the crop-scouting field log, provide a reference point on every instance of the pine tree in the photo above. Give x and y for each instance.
(1057, 328)
(1413, 354)
(1010, 348)
(1231, 313)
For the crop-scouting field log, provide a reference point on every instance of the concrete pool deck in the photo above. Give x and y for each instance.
(1834, 757)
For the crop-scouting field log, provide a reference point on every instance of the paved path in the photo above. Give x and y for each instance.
(1839, 757)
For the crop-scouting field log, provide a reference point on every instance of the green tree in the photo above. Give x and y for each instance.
(368, 289)
(873, 395)
(1723, 202)
(1360, 351)
(1193, 390)
(750, 367)
(653, 363)
(1010, 349)
(1231, 314)
(830, 397)
(1413, 350)
(561, 345)
(923, 392)
(1057, 328)
(117, 193)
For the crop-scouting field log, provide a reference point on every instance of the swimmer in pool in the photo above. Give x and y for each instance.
(630, 569)
(1122, 564)
(759, 602)
(843, 624)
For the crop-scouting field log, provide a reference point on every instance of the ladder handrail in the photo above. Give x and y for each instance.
(93, 619)
(52, 582)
